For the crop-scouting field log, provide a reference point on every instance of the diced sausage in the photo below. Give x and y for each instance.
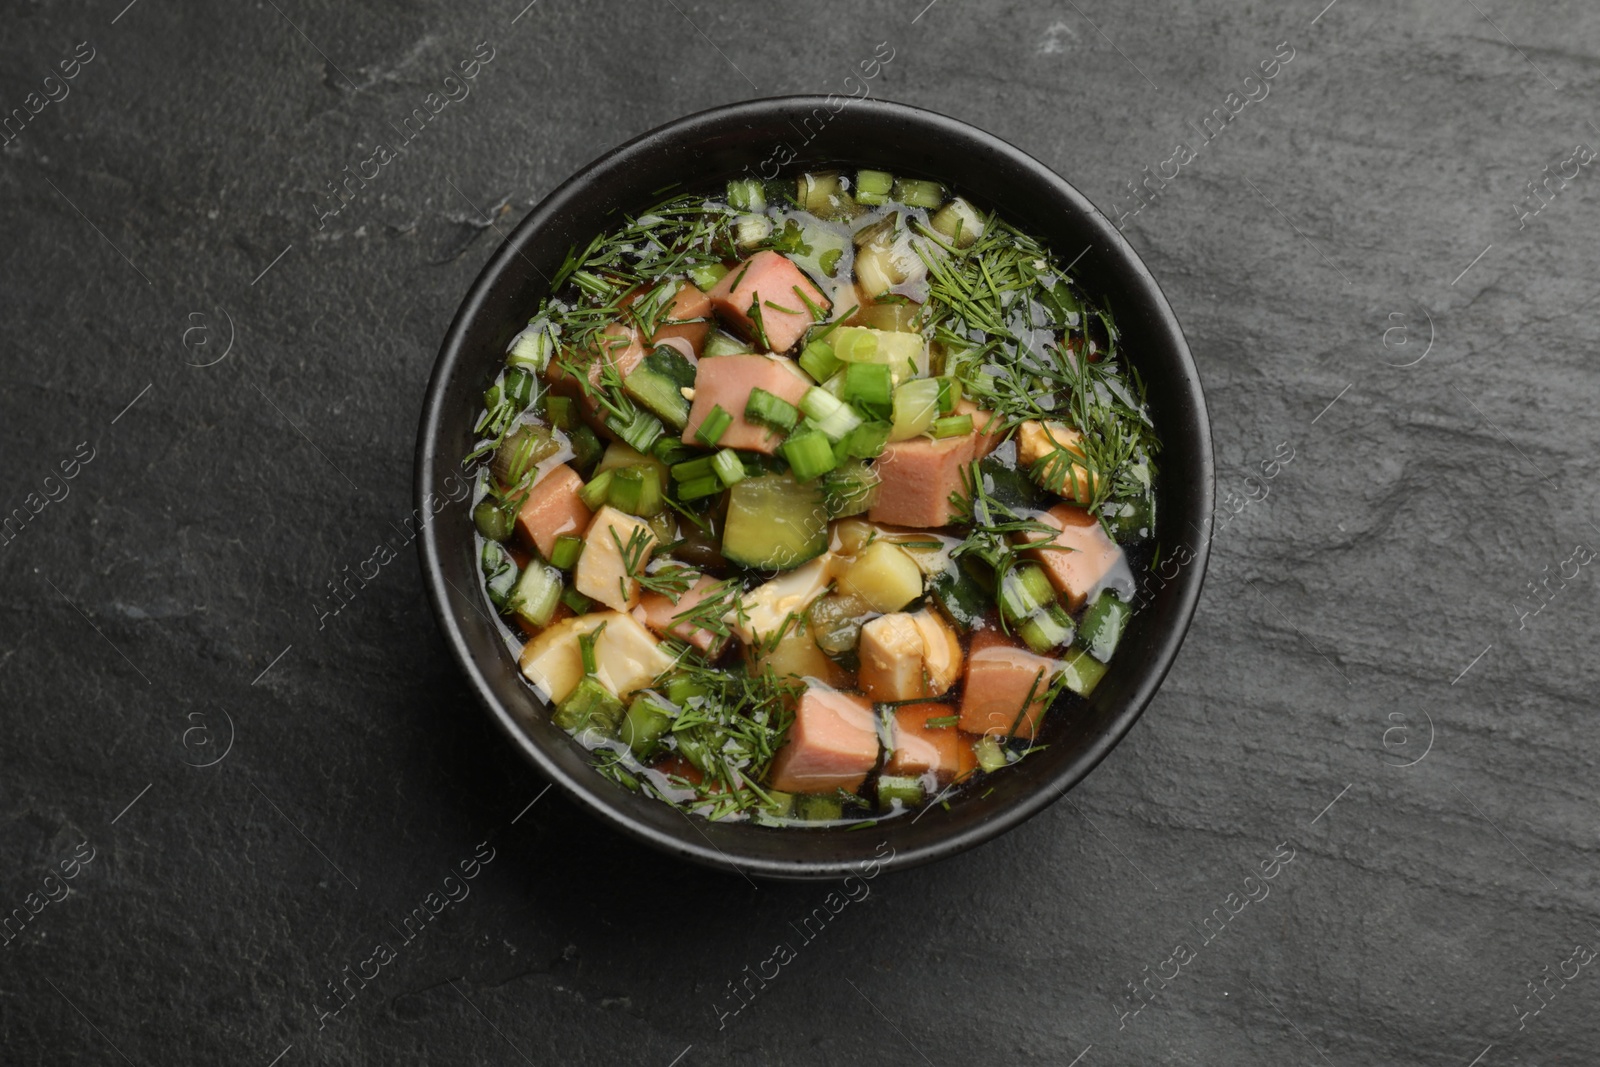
(553, 508)
(769, 280)
(918, 477)
(1005, 686)
(1083, 554)
(726, 382)
(832, 744)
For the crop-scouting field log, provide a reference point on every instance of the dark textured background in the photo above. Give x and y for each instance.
(1345, 604)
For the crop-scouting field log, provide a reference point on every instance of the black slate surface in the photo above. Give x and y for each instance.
(252, 795)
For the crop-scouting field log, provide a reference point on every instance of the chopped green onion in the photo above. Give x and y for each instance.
(914, 192)
(532, 350)
(714, 425)
(595, 492)
(769, 410)
(810, 454)
(537, 593)
(562, 411)
(519, 387)
(586, 652)
(698, 488)
(746, 194)
(576, 601)
(908, 791)
(670, 450)
(1048, 629)
(707, 274)
(728, 466)
(565, 552)
(869, 387)
(636, 490)
(819, 361)
(991, 757)
(1025, 589)
(872, 186)
(949, 394)
(916, 403)
(828, 413)
(952, 426)
(689, 470)
(639, 432)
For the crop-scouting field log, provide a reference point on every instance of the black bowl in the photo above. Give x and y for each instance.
(761, 137)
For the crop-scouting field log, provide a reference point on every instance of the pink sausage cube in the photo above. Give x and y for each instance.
(726, 381)
(832, 744)
(768, 279)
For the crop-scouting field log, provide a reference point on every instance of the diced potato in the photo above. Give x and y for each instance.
(626, 655)
(884, 575)
(1038, 440)
(906, 656)
(602, 573)
(941, 651)
(891, 658)
(768, 605)
(796, 653)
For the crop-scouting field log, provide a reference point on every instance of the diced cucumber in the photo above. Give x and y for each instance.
(537, 593)
(658, 383)
(1083, 671)
(813, 807)
(589, 707)
(908, 791)
(495, 520)
(1102, 626)
(961, 595)
(850, 489)
(586, 449)
(824, 196)
(775, 522)
(643, 725)
(521, 452)
(1132, 520)
(533, 349)
(722, 343)
(682, 688)
(1007, 484)
(751, 230)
